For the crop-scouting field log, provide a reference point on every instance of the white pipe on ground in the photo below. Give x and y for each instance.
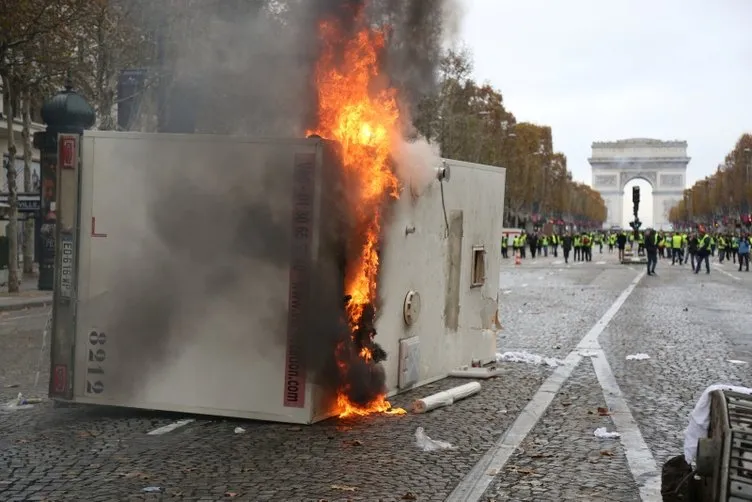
(445, 398)
(475, 373)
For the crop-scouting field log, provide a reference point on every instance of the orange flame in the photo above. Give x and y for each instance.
(364, 121)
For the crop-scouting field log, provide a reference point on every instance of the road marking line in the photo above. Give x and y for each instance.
(170, 427)
(718, 268)
(641, 462)
(28, 316)
(474, 485)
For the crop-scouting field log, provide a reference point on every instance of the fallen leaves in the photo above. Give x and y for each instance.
(409, 496)
(600, 411)
(135, 475)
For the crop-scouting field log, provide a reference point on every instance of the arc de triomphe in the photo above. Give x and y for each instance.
(663, 164)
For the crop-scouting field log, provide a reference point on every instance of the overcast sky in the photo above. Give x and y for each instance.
(597, 70)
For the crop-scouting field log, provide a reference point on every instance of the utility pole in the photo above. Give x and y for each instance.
(748, 159)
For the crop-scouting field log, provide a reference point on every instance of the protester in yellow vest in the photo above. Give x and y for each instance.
(676, 245)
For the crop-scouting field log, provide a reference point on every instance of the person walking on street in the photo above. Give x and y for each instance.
(505, 246)
(676, 245)
(704, 248)
(533, 242)
(621, 241)
(566, 246)
(692, 244)
(743, 250)
(651, 249)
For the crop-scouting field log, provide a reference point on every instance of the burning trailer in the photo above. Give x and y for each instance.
(161, 304)
(274, 278)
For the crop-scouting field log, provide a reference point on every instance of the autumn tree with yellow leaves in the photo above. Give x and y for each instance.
(725, 197)
(470, 123)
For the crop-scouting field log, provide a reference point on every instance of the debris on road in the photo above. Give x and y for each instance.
(526, 357)
(19, 403)
(736, 361)
(637, 357)
(445, 398)
(239, 430)
(483, 372)
(343, 488)
(152, 489)
(425, 443)
(602, 433)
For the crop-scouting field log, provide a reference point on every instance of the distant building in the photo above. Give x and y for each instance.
(663, 164)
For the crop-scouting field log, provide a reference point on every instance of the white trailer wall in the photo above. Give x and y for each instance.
(225, 355)
(456, 321)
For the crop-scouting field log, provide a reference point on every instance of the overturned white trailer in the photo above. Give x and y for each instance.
(204, 324)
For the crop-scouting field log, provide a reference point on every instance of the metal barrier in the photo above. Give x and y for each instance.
(724, 458)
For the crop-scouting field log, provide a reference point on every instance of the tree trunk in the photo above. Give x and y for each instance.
(28, 225)
(12, 228)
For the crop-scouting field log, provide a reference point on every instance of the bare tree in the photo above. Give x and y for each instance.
(12, 228)
(31, 33)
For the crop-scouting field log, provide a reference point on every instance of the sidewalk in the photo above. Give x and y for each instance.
(28, 297)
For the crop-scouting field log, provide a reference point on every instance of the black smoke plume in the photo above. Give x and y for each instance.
(216, 237)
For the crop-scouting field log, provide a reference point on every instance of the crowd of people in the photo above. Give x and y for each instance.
(695, 247)
(578, 245)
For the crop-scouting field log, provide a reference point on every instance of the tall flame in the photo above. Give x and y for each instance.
(364, 121)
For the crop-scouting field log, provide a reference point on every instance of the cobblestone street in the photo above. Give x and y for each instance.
(509, 442)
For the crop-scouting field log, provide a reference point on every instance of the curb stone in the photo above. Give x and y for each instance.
(30, 303)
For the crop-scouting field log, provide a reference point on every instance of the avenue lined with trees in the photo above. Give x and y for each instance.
(471, 123)
(88, 43)
(725, 197)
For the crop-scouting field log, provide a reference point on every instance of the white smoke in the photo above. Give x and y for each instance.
(416, 162)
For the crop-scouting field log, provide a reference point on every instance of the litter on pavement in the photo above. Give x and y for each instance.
(526, 357)
(602, 433)
(425, 443)
(19, 403)
(637, 357)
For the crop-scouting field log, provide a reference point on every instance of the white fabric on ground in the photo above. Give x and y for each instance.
(425, 443)
(699, 419)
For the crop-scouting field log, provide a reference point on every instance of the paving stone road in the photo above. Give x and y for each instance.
(690, 326)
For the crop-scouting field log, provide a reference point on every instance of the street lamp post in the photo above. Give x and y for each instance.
(748, 159)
